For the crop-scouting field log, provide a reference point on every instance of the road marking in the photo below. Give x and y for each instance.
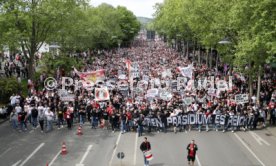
(32, 154)
(197, 160)
(54, 159)
(114, 150)
(259, 139)
(244, 144)
(15, 164)
(2, 154)
(135, 149)
(85, 155)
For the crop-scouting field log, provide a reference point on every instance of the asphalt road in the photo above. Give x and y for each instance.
(98, 147)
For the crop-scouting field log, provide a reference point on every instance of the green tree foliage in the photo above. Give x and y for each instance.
(100, 27)
(30, 23)
(8, 86)
(73, 24)
(250, 25)
(49, 63)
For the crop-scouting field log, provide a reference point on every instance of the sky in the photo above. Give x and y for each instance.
(142, 8)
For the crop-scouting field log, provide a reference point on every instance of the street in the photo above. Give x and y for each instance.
(99, 147)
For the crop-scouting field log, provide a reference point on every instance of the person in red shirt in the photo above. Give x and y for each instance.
(192, 148)
(109, 109)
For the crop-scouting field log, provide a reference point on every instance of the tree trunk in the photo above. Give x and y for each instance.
(259, 83)
(194, 50)
(184, 49)
(199, 54)
(250, 82)
(211, 57)
(217, 58)
(187, 54)
(207, 56)
(250, 86)
(33, 48)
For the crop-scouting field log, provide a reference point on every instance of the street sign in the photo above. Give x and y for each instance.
(120, 155)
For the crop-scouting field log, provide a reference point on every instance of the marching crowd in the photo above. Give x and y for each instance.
(126, 110)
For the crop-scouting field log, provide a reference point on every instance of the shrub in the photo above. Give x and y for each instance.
(8, 86)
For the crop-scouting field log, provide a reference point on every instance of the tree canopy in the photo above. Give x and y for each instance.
(72, 24)
(249, 25)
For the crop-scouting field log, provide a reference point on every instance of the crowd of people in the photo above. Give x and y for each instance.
(126, 109)
(14, 65)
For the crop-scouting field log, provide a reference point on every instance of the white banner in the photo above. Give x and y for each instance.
(186, 71)
(211, 92)
(152, 92)
(165, 95)
(167, 73)
(181, 83)
(101, 94)
(241, 98)
(188, 100)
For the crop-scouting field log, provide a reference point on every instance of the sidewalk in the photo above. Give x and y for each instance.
(3, 120)
(272, 130)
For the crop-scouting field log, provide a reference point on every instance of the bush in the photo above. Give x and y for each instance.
(8, 86)
(50, 64)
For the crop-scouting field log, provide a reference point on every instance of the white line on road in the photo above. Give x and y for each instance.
(244, 144)
(85, 154)
(15, 164)
(54, 159)
(259, 139)
(114, 150)
(2, 154)
(135, 149)
(197, 160)
(32, 154)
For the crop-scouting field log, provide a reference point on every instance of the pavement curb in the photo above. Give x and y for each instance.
(3, 121)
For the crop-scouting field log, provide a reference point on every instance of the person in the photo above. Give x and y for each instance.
(123, 122)
(22, 119)
(50, 117)
(14, 118)
(145, 146)
(192, 148)
(41, 116)
(140, 125)
(34, 115)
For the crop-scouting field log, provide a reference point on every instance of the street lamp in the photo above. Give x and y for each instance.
(224, 41)
(54, 49)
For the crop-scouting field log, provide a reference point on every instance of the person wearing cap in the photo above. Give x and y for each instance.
(192, 148)
(145, 146)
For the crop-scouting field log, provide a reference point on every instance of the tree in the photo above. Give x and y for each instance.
(250, 26)
(128, 23)
(30, 23)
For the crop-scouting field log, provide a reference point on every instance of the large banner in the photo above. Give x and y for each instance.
(93, 76)
(198, 119)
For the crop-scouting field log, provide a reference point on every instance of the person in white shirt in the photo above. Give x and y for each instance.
(13, 100)
(50, 117)
(41, 116)
(263, 117)
(18, 108)
(173, 114)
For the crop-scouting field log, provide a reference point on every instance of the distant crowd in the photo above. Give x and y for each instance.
(126, 108)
